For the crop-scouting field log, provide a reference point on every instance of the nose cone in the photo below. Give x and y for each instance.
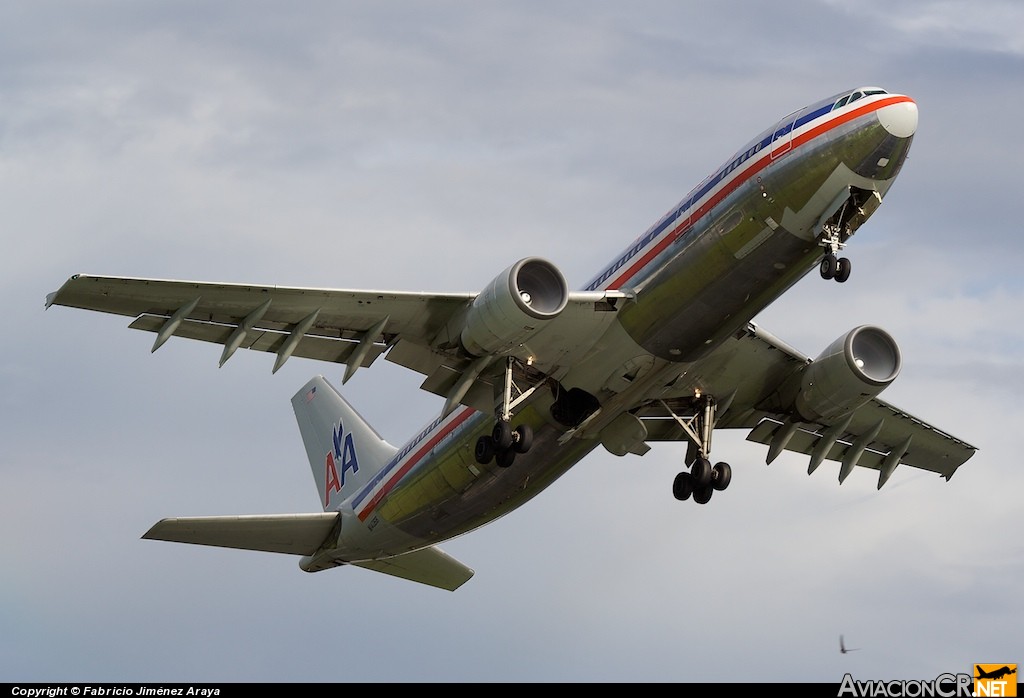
(899, 119)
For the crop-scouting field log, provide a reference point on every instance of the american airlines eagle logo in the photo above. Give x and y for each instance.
(344, 455)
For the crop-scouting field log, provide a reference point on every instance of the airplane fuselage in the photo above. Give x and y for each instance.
(731, 247)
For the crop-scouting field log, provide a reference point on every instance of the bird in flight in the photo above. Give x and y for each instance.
(843, 648)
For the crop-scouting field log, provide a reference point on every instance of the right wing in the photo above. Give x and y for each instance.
(324, 324)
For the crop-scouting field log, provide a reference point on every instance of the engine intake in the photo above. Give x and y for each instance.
(852, 370)
(513, 306)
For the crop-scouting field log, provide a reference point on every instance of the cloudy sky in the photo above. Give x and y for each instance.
(427, 146)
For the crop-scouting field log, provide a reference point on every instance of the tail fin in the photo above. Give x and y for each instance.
(343, 449)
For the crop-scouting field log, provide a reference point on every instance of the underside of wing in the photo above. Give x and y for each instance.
(877, 436)
(342, 326)
(791, 403)
(426, 332)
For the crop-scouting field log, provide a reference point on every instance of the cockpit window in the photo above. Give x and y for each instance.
(859, 94)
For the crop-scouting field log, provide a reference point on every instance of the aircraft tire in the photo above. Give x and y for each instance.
(484, 450)
(843, 267)
(701, 473)
(505, 458)
(523, 438)
(702, 495)
(502, 435)
(682, 487)
(828, 266)
(721, 476)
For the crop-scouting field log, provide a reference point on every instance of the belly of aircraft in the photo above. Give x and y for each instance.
(456, 494)
(744, 253)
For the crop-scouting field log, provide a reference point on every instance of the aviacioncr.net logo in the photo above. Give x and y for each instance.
(943, 686)
(995, 680)
(988, 681)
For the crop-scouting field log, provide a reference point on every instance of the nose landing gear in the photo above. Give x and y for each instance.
(839, 227)
(835, 268)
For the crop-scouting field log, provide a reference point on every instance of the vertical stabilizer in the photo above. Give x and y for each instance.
(343, 449)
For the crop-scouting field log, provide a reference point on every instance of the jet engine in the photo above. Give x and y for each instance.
(514, 305)
(852, 370)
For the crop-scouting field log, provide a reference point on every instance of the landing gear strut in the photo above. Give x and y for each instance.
(504, 442)
(703, 479)
(834, 233)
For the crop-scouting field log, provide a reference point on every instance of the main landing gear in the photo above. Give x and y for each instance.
(504, 442)
(703, 479)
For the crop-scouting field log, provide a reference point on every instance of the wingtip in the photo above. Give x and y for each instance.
(51, 298)
(150, 534)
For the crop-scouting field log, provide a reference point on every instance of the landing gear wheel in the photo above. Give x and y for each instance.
(682, 487)
(700, 471)
(505, 458)
(484, 450)
(828, 266)
(721, 476)
(502, 435)
(842, 269)
(702, 495)
(523, 438)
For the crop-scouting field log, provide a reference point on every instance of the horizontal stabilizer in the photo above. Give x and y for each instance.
(430, 566)
(304, 534)
(295, 534)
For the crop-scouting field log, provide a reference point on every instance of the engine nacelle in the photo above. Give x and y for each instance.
(852, 370)
(516, 304)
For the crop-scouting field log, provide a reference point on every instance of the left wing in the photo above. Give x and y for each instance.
(420, 331)
(758, 373)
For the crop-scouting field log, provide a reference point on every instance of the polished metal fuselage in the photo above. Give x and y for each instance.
(732, 246)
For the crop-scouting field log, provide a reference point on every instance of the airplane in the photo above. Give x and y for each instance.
(843, 649)
(659, 346)
(995, 674)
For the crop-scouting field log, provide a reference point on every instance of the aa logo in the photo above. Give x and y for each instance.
(995, 680)
(343, 455)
